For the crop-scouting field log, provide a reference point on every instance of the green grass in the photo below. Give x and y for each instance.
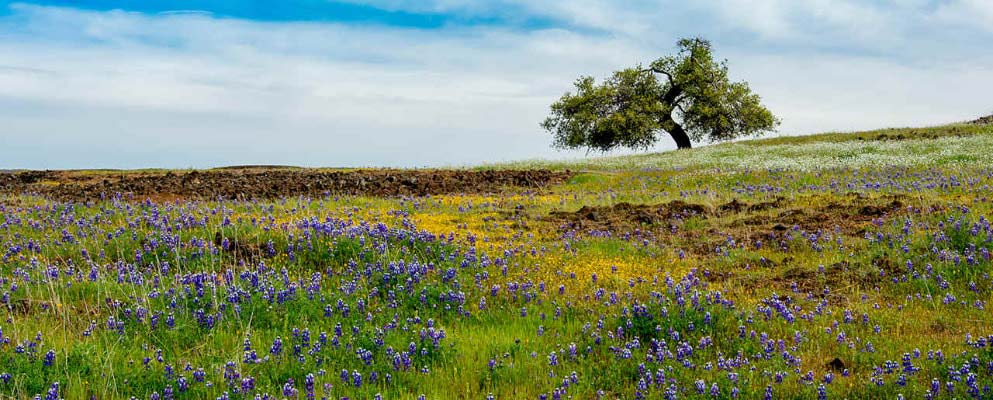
(951, 144)
(688, 281)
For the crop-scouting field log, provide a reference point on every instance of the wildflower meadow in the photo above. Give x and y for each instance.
(822, 267)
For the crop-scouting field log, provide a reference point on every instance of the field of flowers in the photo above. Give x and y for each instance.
(778, 269)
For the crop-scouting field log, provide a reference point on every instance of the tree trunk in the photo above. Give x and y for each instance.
(680, 136)
(671, 98)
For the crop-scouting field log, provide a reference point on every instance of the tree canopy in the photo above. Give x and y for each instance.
(687, 95)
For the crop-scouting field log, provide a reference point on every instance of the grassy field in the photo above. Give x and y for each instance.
(827, 266)
(906, 147)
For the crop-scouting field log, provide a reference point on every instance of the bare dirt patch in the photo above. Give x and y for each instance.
(851, 217)
(267, 183)
(744, 222)
(839, 277)
(240, 250)
(834, 276)
(662, 222)
(625, 216)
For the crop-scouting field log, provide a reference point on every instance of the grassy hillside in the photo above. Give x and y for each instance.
(826, 266)
(957, 144)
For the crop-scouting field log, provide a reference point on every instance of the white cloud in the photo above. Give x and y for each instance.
(886, 27)
(975, 14)
(118, 89)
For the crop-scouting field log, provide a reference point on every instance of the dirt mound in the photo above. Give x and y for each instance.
(736, 206)
(626, 217)
(270, 183)
(987, 120)
(745, 222)
(848, 218)
(257, 167)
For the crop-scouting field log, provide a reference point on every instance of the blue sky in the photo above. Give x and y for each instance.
(314, 11)
(195, 83)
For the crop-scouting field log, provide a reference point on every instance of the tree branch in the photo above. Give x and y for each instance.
(659, 71)
(663, 72)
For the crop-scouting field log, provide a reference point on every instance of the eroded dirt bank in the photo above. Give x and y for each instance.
(268, 183)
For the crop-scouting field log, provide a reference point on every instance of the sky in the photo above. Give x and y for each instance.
(432, 83)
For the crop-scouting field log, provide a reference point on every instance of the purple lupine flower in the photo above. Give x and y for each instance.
(288, 389)
(53, 392)
(49, 358)
(309, 385)
(247, 384)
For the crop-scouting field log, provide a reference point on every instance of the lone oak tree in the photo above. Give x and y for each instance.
(694, 101)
